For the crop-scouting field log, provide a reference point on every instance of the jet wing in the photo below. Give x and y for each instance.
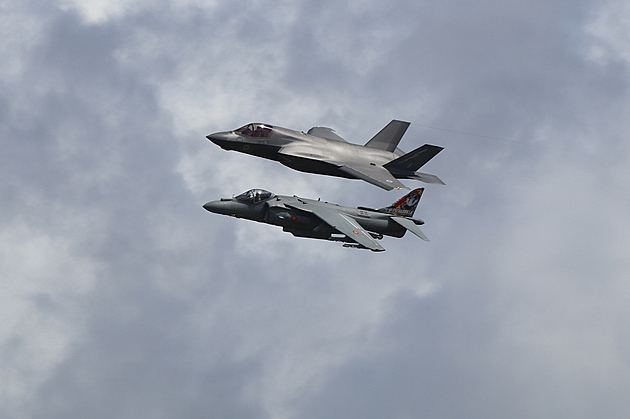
(341, 222)
(411, 226)
(327, 133)
(376, 175)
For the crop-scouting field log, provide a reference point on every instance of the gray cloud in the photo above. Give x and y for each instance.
(123, 297)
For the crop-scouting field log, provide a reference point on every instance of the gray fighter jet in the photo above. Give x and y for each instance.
(379, 162)
(356, 227)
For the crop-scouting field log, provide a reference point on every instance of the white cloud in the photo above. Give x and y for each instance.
(123, 295)
(43, 276)
(610, 29)
(20, 31)
(102, 11)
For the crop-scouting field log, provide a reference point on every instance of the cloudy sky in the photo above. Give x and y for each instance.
(120, 297)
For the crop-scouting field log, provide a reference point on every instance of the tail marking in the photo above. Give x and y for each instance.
(406, 205)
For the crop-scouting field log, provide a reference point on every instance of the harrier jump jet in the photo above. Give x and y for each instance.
(356, 227)
(379, 162)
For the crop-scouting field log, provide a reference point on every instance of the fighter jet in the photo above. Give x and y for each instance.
(320, 150)
(356, 227)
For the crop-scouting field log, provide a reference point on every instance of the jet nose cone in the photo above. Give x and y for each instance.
(223, 206)
(218, 137)
(213, 206)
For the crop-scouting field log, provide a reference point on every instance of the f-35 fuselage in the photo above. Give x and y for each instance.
(302, 152)
(322, 151)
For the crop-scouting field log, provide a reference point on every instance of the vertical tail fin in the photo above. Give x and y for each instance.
(406, 205)
(388, 138)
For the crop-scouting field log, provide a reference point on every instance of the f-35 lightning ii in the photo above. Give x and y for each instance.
(320, 150)
(356, 227)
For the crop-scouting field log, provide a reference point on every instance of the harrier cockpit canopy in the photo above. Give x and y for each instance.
(254, 195)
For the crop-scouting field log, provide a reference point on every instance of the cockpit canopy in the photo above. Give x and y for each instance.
(255, 130)
(254, 195)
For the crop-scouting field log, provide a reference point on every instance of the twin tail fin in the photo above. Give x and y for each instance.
(388, 138)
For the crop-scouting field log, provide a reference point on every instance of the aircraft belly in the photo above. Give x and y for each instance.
(383, 226)
(303, 164)
(266, 151)
(285, 217)
(309, 234)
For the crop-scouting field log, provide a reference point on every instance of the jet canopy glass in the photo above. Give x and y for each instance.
(254, 195)
(255, 130)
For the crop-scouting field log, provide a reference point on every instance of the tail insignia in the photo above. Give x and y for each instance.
(406, 205)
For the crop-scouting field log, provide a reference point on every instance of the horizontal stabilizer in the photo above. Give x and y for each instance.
(388, 138)
(411, 226)
(427, 178)
(413, 160)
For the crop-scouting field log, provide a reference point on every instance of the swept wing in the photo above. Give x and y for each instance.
(376, 175)
(327, 133)
(341, 222)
